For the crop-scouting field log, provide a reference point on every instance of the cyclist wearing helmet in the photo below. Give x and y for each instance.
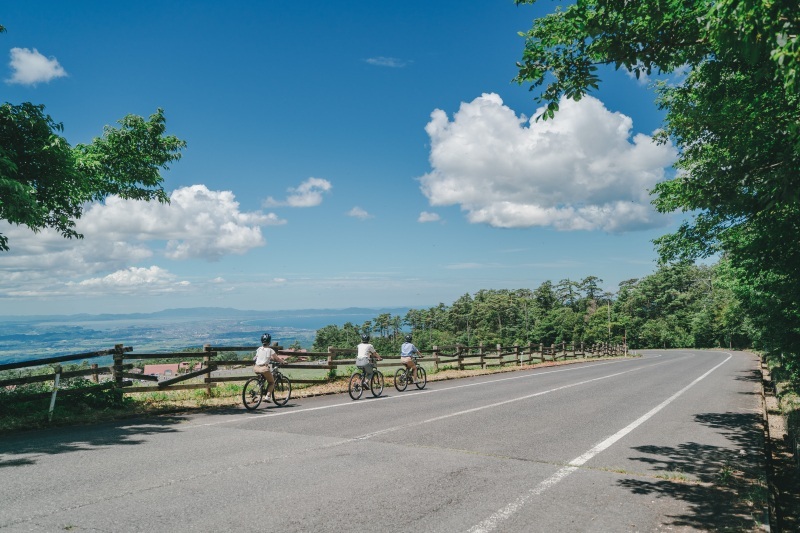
(408, 356)
(366, 352)
(265, 354)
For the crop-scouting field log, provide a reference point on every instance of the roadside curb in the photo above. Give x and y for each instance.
(769, 403)
(783, 475)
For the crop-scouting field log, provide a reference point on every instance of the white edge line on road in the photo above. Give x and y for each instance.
(506, 512)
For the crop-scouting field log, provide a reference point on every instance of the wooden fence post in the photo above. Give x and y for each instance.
(480, 353)
(553, 352)
(57, 370)
(117, 368)
(207, 363)
(500, 354)
(436, 359)
(330, 360)
(95, 375)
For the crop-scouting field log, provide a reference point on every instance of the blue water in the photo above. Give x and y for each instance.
(29, 338)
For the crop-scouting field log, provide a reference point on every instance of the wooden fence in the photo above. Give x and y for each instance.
(120, 377)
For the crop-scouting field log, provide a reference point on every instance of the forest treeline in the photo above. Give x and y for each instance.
(679, 306)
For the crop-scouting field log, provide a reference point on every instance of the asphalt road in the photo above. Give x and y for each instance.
(637, 444)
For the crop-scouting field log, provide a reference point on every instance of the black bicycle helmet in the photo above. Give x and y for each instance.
(408, 338)
(364, 337)
(266, 338)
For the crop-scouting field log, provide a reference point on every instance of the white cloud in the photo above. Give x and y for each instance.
(30, 67)
(357, 212)
(582, 170)
(308, 194)
(134, 280)
(391, 62)
(197, 223)
(425, 216)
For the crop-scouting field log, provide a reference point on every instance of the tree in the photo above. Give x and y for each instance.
(567, 292)
(733, 119)
(566, 47)
(545, 297)
(590, 286)
(45, 183)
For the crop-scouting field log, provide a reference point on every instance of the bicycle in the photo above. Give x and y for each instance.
(356, 385)
(255, 389)
(405, 375)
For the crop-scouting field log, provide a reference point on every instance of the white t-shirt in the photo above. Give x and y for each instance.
(365, 349)
(263, 355)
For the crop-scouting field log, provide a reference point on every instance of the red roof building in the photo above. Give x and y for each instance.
(166, 371)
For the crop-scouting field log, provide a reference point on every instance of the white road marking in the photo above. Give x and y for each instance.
(287, 412)
(509, 510)
(491, 405)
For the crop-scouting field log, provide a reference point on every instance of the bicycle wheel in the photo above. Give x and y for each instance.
(400, 379)
(252, 394)
(376, 383)
(282, 390)
(354, 386)
(422, 377)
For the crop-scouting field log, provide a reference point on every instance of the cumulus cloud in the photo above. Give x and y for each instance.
(391, 62)
(582, 170)
(308, 194)
(30, 67)
(425, 216)
(197, 224)
(358, 212)
(134, 280)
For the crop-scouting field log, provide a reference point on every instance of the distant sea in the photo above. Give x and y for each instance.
(24, 338)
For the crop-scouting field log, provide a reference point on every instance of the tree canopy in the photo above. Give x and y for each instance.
(45, 183)
(733, 116)
(678, 306)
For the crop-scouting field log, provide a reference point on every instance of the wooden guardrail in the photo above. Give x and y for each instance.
(120, 377)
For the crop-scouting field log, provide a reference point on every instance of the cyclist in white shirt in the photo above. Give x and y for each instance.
(366, 352)
(265, 354)
(408, 356)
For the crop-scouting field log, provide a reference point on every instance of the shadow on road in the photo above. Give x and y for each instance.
(753, 376)
(22, 449)
(723, 486)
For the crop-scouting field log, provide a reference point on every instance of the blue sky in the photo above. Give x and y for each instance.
(339, 154)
